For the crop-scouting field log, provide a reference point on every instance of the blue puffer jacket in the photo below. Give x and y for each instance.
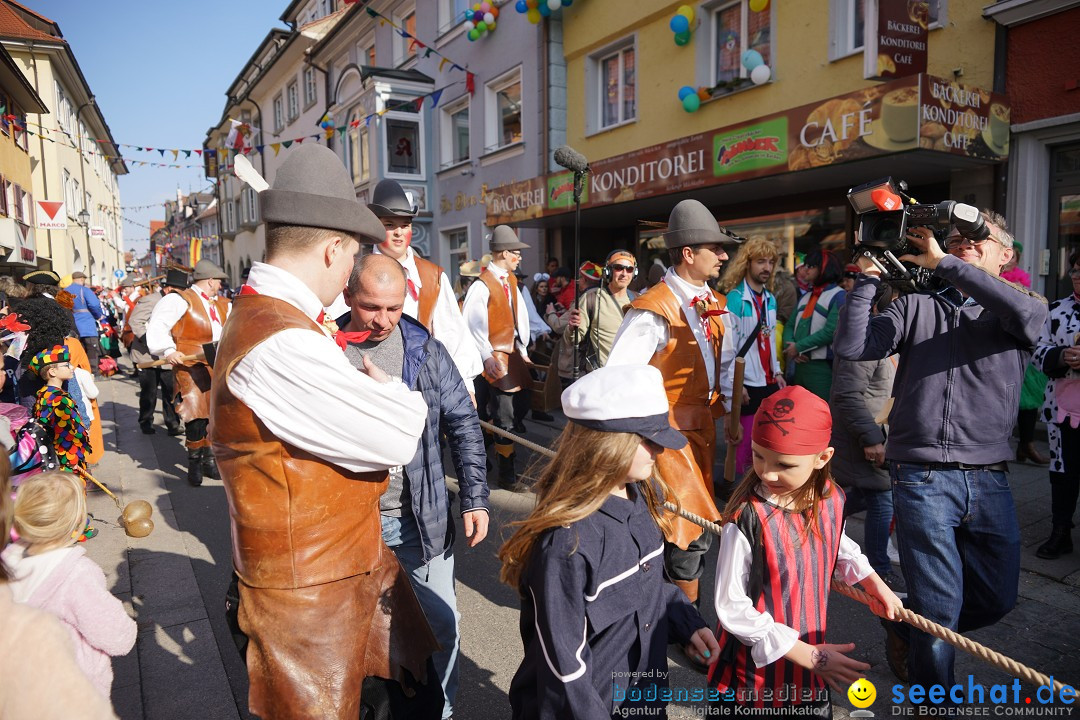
(429, 368)
(87, 310)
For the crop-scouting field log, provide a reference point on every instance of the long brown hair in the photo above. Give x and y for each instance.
(573, 485)
(806, 500)
(756, 247)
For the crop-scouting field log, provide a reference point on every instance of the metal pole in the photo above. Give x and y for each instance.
(82, 179)
(578, 180)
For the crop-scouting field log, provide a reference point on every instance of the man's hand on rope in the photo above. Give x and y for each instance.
(883, 601)
(830, 662)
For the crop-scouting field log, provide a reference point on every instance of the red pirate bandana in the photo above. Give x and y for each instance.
(793, 421)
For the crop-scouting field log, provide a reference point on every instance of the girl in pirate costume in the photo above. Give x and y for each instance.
(782, 545)
(596, 609)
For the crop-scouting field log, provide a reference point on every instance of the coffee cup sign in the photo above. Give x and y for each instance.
(900, 114)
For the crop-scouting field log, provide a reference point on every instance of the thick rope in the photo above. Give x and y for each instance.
(1002, 662)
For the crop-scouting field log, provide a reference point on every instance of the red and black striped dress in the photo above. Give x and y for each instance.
(796, 568)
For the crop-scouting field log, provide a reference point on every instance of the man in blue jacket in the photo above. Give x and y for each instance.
(87, 312)
(963, 351)
(415, 508)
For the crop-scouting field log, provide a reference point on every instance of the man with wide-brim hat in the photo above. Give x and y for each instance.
(676, 327)
(180, 324)
(498, 322)
(304, 442)
(429, 295)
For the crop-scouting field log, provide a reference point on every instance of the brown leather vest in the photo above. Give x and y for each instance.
(193, 329)
(297, 520)
(502, 314)
(686, 380)
(430, 282)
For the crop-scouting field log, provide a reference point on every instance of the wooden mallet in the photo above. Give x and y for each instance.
(734, 417)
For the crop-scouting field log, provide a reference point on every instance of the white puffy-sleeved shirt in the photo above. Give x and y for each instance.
(643, 333)
(476, 313)
(447, 324)
(166, 314)
(302, 387)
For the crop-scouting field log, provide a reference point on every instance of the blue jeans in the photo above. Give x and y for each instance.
(879, 514)
(960, 548)
(433, 584)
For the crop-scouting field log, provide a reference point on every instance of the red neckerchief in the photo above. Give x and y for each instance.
(706, 299)
(343, 338)
(412, 289)
(210, 304)
(763, 343)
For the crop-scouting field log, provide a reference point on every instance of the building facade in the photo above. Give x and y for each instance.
(74, 158)
(18, 248)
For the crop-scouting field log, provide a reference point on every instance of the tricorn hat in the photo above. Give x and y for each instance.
(206, 270)
(691, 223)
(470, 269)
(391, 200)
(42, 277)
(175, 278)
(504, 238)
(313, 189)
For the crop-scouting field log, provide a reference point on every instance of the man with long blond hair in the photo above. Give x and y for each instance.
(750, 333)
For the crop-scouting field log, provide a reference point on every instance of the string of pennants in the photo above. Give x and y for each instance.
(416, 44)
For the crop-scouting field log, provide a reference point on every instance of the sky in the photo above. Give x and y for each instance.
(159, 72)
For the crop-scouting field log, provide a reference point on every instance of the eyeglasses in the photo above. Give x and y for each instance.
(1075, 272)
(955, 242)
(621, 268)
(515, 253)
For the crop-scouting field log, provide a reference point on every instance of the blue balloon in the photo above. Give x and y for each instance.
(751, 59)
(521, 7)
(567, 3)
(679, 24)
(684, 91)
(545, 11)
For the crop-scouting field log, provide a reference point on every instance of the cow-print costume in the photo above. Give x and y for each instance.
(1060, 330)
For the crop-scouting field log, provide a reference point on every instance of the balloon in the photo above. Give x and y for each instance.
(521, 7)
(137, 509)
(678, 24)
(532, 4)
(533, 15)
(691, 103)
(554, 5)
(489, 18)
(474, 34)
(478, 16)
(494, 11)
(476, 7)
(491, 26)
(751, 59)
(545, 11)
(687, 12)
(682, 38)
(469, 25)
(485, 7)
(703, 94)
(567, 3)
(139, 528)
(761, 74)
(482, 27)
(684, 91)
(758, 5)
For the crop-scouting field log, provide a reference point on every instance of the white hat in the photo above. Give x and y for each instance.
(623, 398)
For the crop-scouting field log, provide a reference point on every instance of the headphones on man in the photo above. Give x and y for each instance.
(607, 263)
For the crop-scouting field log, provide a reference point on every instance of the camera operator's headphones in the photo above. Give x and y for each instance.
(615, 254)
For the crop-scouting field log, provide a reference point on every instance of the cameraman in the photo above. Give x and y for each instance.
(963, 350)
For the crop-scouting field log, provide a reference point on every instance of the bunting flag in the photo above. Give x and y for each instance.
(414, 42)
(195, 250)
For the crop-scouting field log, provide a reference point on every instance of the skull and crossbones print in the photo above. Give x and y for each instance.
(779, 415)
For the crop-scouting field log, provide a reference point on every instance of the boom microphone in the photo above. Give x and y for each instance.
(886, 200)
(571, 159)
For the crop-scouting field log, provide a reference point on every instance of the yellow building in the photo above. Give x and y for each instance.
(774, 150)
(17, 96)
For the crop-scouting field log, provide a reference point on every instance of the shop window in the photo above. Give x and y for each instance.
(617, 86)
(451, 14)
(455, 247)
(735, 30)
(847, 23)
(404, 140)
(454, 135)
(503, 126)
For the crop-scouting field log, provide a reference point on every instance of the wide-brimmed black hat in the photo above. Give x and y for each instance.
(175, 278)
(504, 238)
(313, 189)
(42, 277)
(691, 223)
(391, 200)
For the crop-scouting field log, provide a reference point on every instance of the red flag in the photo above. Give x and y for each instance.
(470, 82)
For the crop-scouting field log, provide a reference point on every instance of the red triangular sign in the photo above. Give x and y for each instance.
(50, 207)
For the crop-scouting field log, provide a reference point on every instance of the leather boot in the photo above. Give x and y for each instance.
(508, 479)
(1026, 452)
(1060, 543)
(194, 467)
(209, 464)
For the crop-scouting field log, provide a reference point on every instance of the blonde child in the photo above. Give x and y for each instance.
(596, 609)
(50, 572)
(783, 544)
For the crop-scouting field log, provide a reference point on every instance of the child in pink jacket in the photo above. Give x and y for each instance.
(51, 573)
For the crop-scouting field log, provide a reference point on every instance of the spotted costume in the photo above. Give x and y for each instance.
(57, 412)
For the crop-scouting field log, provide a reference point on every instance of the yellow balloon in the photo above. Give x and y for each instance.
(758, 5)
(137, 509)
(139, 528)
(686, 11)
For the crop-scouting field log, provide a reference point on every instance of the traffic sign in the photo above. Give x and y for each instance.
(118, 274)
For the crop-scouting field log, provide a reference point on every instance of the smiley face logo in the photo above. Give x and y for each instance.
(862, 693)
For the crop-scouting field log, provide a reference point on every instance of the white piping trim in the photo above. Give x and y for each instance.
(547, 658)
(622, 576)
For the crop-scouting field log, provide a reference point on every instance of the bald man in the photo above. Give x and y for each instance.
(415, 508)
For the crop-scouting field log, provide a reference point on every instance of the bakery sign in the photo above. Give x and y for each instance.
(919, 112)
(895, 38)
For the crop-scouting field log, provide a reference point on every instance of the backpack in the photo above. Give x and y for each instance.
(107, 366)
(33, 453)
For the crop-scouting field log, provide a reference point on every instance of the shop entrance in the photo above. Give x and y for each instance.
(1064, 225)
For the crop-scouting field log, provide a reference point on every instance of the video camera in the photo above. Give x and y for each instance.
(886, 212)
